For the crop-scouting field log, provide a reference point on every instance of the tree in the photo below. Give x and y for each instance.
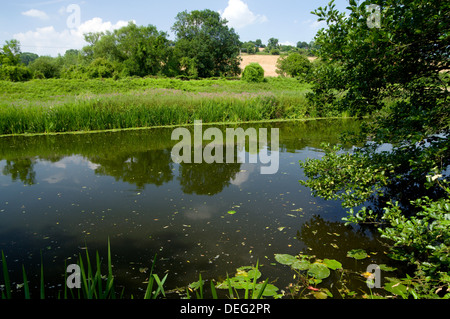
(393, 74)
(249, 47)
(140, 50)
(272, 44)
(259, 43)
(294, 65)
(11, 69)
(100, 68)
(302, 45)
(46, 66)
(205, 45)
(10, 53)
(27, 57)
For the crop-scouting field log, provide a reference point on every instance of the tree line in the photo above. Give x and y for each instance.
(204, 47)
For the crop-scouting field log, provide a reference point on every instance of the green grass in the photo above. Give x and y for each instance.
(94, 285)
(58, 106)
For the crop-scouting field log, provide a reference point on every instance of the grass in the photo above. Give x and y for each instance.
(59, 106)
(93, 285)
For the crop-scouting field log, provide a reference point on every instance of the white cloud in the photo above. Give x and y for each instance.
(315, 25)
(288, 43)
(36, 14)
(239, 15)
(97, 25)
(49, 41)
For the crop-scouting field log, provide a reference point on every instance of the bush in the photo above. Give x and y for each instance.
(74, 72)
(295, 65)
(275, 52)
(100, 68)
(253, 73)
(15, 73)
(45, 66)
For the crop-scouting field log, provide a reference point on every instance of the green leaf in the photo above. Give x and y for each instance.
(6, 277)
(332, 264)
(387, 268)
(320, 295)
(301, 265)
(231, 212)
(357, 254)
(396, 289)
(319, 271)
(285, 259)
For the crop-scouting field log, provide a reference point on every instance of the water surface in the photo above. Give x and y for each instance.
(61, 194)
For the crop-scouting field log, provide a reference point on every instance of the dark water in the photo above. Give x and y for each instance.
(61, 194)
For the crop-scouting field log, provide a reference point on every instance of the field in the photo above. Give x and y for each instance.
(268, 62)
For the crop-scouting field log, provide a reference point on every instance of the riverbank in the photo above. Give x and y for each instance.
(61, 106)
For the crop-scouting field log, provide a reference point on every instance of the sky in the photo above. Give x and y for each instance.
(50, 27)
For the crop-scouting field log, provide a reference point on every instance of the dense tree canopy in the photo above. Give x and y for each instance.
(394, 72)
(206, 46)
(137, 50)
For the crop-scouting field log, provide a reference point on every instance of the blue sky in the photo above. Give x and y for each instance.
(42, 26)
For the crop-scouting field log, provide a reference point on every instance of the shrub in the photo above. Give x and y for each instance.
(100, 68)
(295, 65)
(253, 73)
(46, 66)
(74, 72)
(15, 73)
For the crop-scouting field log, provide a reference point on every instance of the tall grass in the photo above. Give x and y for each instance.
(94, 285)
(53, 106)
(147, 110)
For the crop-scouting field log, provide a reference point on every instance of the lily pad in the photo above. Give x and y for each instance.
(357, 254)
(285, 259)
(269, 291)
(320, 295)
(231, 212)
(301, 265)
(319, 271)
(332, 264)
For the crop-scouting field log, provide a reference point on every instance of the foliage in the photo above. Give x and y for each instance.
(419, 235)
(245, 279)
(353, 179)
(15, 73)
(205, 45)
(10, 53)
(49, 106)
(393, 74)
(380, 62)
(100, 68)
(310, 272)
(272, 44)
(423, 240)
(139, 50)
(253, 73)
(295, 65)
(93, 285)
(46, 66)
(327, 87)
(28, 57)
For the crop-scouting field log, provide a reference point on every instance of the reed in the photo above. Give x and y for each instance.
(94, 285)
(58, 106)
(148, 110)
